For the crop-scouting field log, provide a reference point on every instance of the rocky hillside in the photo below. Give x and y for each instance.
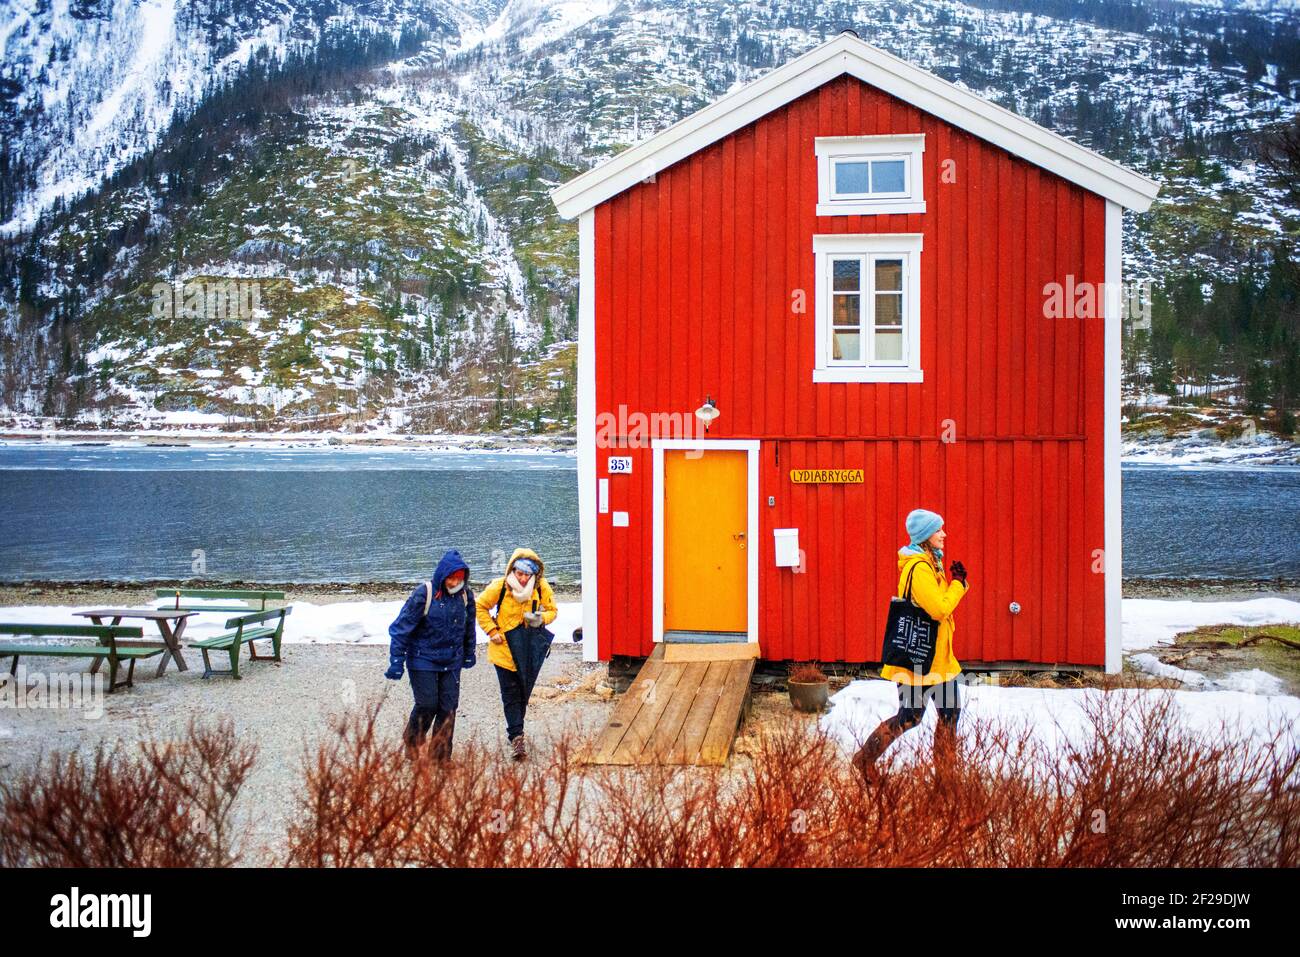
(308, 215)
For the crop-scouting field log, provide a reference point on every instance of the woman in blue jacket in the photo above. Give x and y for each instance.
(433, 638)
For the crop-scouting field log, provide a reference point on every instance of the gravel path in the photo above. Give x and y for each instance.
(283, 708)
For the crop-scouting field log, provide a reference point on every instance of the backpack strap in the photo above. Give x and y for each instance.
(496, 612)
(428, 596)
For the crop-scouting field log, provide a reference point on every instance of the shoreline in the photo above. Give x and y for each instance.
(97, 591)
(1193, 451)
(187, 438)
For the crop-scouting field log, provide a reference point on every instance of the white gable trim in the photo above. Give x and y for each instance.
(1113, 555)
(848, 54)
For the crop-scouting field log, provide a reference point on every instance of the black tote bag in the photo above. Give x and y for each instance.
(910, 633)
(529, 647)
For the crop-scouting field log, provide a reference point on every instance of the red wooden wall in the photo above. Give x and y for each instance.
(694, 277)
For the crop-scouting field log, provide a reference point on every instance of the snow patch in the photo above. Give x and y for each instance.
(1147, 622)
(343, 622)
(1055, 717)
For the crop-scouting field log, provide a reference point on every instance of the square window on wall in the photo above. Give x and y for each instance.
(859, 175)
(868, 307)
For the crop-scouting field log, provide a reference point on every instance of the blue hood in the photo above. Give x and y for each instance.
(451, 562)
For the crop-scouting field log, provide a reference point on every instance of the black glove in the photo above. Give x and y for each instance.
(959, 573)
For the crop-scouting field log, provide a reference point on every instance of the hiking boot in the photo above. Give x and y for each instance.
(518, 750)
(865, 764)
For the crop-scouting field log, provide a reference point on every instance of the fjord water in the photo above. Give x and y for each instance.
(76, 512)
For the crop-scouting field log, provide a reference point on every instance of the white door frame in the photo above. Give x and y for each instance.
(749, 446)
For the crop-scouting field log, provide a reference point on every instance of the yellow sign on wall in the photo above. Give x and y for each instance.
(826, 476)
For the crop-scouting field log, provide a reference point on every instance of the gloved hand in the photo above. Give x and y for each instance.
(959, 573)
(470, 661)
(533, 619)
(395, 669)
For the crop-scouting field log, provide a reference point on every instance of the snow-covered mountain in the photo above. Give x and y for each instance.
(376, 174)
(89, 85)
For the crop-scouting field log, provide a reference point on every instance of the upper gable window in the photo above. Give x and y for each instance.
(859, 175)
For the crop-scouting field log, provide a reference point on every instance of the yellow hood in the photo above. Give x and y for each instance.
(526, 553)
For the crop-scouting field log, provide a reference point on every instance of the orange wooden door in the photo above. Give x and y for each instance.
(705, 548)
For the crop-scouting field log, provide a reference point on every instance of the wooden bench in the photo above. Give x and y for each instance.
(245, 632)
(245, 597)
(106, 638)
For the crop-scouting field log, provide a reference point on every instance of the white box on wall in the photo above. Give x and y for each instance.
(787, 547)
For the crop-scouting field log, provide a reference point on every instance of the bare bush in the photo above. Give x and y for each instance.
(1142, 791)
(163, 804)
(1138, 789)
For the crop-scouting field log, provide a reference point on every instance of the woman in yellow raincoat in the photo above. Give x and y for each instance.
(514, 611)
(922, 559)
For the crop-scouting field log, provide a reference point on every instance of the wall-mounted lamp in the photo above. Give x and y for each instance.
(707, 412)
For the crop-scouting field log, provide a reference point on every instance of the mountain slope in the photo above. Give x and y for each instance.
(378, 179)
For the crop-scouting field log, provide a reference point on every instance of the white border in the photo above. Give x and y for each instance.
(908, 245)
(751, 446)
(908, 147)
(848, 54)
(587, 431)
(1113, 544)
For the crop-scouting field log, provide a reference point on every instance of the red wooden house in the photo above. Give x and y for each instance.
(846, 269)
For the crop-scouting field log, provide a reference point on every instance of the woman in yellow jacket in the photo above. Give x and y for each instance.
(514, 611)
(922, 559)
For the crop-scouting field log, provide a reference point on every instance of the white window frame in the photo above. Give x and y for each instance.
(909, 147)
(868, 247)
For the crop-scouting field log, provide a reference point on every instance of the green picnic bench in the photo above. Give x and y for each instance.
(244, 596)
(246, 631)
(106, 638)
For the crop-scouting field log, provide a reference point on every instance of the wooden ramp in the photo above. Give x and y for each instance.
(677, 712)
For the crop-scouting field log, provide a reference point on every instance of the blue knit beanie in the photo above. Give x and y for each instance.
(922, 524)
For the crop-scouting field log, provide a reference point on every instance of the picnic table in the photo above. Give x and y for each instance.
(170, 622)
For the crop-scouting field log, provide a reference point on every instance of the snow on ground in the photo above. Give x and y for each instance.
(1192, 452)
(1150, 621)
(535, 23)
(458, 442)
(1147, 621)
(1054, 717)
(1253, 681)
(350, 622)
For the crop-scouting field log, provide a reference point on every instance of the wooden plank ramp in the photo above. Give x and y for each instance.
(676, 712)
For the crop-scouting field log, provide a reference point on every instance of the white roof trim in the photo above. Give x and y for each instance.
(848, 54)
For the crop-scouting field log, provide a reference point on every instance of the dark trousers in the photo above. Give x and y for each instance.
(911, 708)
(912, 700)
(528, 649)
(514, 699)
(437, 694)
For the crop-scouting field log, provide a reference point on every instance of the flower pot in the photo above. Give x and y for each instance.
(809, 695)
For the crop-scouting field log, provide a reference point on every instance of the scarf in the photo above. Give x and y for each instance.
(918, 550)
(521, 594)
